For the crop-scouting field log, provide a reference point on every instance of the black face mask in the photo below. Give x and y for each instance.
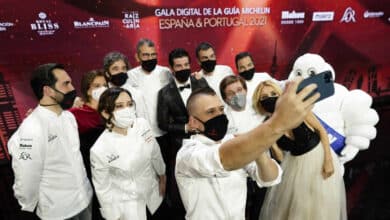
(119, 79)
(149, 65)
(215, 128)
(269, 104)
(248, 74)
(67, 100)
(183, 75)
(208, 65)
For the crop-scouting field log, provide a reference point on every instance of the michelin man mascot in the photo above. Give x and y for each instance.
(346, 115)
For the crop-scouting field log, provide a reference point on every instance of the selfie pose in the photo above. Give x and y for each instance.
(312, 185)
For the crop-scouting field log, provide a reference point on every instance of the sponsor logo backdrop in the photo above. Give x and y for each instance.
(351, 35)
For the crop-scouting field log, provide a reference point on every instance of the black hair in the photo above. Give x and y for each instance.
(203, 46)
(107, 104)
(43, 76)
(178, 53)
(241, 55)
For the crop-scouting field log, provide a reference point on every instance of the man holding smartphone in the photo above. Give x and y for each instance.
(211, 167)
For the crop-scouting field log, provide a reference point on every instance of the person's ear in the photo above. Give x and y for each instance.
(195, 123)
(47, 90)
(137, 58)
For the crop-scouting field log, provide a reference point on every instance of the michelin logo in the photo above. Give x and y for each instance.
(323, 16)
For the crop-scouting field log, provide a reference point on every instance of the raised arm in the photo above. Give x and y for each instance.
(290, 111)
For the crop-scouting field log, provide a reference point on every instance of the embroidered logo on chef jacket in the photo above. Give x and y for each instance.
(147, 135)
(25, 143)
(112, 157)
(52, 137)
(25, 156)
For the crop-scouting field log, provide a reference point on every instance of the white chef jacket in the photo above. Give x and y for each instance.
(48, 167)
(125, 169)
(215, 78)
(242, 121)
(207, 190)
(150, 84)
(140, 105)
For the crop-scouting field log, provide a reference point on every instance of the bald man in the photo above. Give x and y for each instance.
(211, 167)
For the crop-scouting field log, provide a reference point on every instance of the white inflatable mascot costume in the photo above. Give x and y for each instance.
(346, 115)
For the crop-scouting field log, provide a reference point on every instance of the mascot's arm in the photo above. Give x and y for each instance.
(327, 168)
(360, 120)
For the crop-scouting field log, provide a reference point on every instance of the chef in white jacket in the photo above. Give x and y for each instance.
(242, 118)
(115, 66)
(211, 72)
(128, 171)
(208, 190)
(246, 69)
(50, 176)
(241, 115)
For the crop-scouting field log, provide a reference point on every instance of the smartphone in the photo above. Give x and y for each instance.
(324, 83)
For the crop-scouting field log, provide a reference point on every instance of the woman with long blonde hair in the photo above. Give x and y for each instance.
(312, 185)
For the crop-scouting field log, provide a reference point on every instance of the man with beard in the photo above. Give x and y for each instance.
(212, 72)
(49, 173)
(172, 117)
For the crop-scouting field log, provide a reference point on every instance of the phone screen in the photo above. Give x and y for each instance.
(325, 85)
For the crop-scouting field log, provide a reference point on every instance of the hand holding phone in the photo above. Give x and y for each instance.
(324, 84)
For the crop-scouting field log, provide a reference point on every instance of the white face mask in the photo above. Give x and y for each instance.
(96, 93)
(124, 118)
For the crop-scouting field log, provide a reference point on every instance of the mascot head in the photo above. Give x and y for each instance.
(308, 65)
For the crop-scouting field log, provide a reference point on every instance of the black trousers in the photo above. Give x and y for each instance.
(172, 206)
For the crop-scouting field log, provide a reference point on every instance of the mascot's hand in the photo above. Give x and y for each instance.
(348, 153)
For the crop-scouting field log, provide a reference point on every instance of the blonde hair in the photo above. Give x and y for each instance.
(256, 98)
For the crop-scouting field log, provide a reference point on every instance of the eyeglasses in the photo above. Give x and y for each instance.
(148, 55)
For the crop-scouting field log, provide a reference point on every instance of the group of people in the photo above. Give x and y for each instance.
(169, 143)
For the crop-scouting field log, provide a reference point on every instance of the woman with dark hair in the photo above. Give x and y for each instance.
(128, 171)
(89, 123)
